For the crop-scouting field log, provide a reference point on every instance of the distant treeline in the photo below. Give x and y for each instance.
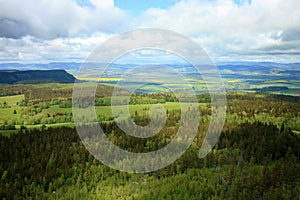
(272, 89)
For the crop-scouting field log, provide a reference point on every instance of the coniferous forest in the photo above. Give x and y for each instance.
(256, 157)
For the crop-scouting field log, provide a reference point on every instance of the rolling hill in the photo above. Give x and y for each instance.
(35, 76)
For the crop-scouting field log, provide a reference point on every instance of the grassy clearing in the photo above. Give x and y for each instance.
(234, 81)
(11, 111)
(12, 100)
(56, 109)
(67, 124)
(103, 79)
(296, 132)
(37, 126)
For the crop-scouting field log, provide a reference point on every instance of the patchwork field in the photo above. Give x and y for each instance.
(51, 110)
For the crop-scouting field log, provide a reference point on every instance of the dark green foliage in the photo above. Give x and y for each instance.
(7, 127)
(36, 162)
(260, 143)
(35, 77)
(36, 157)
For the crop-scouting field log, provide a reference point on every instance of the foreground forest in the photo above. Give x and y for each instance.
(256, 157)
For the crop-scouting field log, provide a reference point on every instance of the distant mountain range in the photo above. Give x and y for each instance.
(40, 66)
(75, 66)
(35, 76)
(254, 76)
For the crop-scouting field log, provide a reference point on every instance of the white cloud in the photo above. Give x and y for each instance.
(222, 27)
(30, 50)
(50, 19)
(54, 30)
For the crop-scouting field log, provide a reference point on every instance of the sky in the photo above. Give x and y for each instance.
(228, 30)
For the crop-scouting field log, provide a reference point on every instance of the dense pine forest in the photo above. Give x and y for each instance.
(256, 157)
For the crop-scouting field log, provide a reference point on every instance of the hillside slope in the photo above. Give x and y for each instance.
(35, 76)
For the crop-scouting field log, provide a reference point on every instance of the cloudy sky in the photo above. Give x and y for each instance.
(45, 31)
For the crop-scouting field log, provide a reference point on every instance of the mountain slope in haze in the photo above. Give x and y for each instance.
(35, 77)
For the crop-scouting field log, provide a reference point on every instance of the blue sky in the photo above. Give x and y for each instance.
(228, 30)
(84, 3)
(137, 7)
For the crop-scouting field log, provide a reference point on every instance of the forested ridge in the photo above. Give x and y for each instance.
(35, 76)
(253, 161)
(256, 157)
